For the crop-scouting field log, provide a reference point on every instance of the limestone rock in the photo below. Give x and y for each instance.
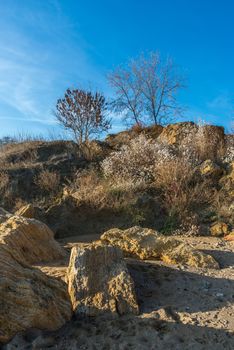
(219, 229)
(148, 244)
(99, 281)
(29, 298)
(29, 239)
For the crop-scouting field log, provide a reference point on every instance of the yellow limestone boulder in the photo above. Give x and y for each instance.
(146, 244)
(29, 298)
(99, 281)
(30, 239)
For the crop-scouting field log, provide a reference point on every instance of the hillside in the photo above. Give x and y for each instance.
(126, 243)
(180, 175)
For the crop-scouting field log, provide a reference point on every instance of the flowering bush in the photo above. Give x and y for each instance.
(135, 162)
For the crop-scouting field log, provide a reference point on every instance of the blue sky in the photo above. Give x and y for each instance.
(49, 45)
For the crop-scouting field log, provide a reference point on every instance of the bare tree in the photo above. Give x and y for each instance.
(128, 93)
(147, 88)
(83, 113)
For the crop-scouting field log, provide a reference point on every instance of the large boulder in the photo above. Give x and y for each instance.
(99, 281)
(29, 298)
(29, 239)
(148, 244)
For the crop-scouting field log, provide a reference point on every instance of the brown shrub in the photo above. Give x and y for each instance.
(15, 155)
(48, 180)
(181, 192)
(98, 193)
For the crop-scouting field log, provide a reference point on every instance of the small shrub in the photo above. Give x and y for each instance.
(48, 180)
(180, 191)
(88, 188)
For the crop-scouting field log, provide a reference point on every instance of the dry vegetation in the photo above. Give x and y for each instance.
(48, 181)
(145, 181)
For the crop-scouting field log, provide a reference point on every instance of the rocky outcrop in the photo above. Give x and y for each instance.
(116, 141)
(29, 298)
(99, 281)
(173, 134)
(208, 140)
(148, 244)
(30, 240)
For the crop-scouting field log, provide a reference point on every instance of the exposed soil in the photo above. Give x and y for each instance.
(180, 308)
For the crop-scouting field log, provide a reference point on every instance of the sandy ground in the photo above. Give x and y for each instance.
(181, 308)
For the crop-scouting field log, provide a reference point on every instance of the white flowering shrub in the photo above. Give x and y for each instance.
(135, 162)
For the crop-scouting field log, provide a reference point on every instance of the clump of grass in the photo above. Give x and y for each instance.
(48, 181)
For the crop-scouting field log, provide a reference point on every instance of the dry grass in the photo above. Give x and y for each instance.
(97, 192)
(181, 192)
(48, 181)
(18, 155)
